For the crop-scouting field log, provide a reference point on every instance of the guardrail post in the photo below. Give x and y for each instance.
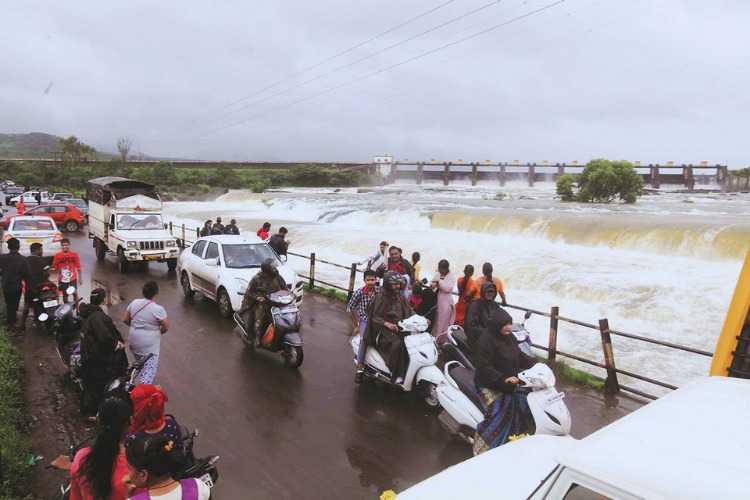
(197, 232)
(352, 277)
(183, 236)
(611, 385)
(312, 270)
(553, 320)
(170, 229)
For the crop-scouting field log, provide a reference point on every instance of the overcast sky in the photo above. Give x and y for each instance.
(335, 80)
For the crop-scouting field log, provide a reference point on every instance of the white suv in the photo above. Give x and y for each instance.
(221, 266)
(29, 197)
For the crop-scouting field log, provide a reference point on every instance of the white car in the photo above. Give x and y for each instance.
(29, 197)
(688, 445)
(221, 266)
(28, 229)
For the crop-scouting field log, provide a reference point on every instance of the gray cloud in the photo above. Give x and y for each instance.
(638, 79)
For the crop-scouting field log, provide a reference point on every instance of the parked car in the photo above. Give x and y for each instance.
(29, 197)
(65, 215)
(80, 204)
(221, 266)
(12, 192)
(30, 229)
(61, 196)
(686, 444)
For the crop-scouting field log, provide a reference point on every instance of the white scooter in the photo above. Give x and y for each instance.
(421, 372)
(551, 415)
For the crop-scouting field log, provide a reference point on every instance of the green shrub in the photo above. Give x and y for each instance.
(602, 181)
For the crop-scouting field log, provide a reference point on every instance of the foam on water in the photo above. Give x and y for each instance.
(656, 273)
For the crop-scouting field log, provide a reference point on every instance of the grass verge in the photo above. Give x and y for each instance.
(328, 292)
(563, 371)
(14, 447)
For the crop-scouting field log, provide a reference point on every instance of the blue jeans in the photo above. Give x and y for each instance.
(362, 346)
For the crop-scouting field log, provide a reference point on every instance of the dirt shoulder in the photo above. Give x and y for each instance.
(52, 404)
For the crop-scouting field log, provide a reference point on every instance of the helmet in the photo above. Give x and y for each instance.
(268, 266)
(392, 277)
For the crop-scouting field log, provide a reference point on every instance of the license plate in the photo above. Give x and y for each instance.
(206, 478)
(556, 397)
(153, 257)
(49, 303)
(30, 241)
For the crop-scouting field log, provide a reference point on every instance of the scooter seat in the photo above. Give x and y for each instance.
(465, 380)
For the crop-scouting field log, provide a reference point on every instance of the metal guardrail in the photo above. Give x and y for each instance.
(611, 382)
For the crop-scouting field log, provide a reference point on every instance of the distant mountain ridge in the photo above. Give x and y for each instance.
(34, 145)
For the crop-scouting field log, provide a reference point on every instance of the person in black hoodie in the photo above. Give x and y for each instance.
(498, 361)
(102, 352)
(478, 314)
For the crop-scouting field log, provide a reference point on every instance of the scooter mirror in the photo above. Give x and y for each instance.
(43, 317)
(527, 315)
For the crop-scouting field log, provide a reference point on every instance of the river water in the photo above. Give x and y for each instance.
(665, 267)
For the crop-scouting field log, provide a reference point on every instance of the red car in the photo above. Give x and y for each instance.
(66, 217)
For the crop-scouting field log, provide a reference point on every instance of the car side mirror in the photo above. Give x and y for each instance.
(111, 227)
(282, 258)
(212, 262)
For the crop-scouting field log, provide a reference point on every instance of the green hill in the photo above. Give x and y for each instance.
(34, 145)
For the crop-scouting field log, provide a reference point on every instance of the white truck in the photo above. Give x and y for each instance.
(125, 218)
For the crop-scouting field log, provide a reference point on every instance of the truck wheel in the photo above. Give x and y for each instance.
(100, 248)
(123, 261)
(225, 304)
(171, 264)
(71, 226)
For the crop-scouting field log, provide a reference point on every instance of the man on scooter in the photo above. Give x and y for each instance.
(254, 310)
(387, 309)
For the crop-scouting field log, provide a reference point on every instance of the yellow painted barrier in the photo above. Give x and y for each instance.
(738, 311)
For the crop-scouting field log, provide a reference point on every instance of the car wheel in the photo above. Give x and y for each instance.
(225, 303)
(187, 290)
(122, 261)
(71, 226)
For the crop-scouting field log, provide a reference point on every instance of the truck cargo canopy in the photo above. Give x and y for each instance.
(102, 189)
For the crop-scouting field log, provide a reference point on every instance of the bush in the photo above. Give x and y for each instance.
(742, 172)
(602, 181)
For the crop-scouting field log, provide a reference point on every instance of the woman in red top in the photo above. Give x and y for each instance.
(468, 290)
(97, 471)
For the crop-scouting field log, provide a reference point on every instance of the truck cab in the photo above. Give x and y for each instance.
(125, 219)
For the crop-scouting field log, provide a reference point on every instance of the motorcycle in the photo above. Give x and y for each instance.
(282, 333)
(421, 372)
(550, 414)
(44, 303)
(66, 326)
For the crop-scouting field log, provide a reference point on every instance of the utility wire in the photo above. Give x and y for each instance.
(331, 89)
(200, 118)
(306, 82)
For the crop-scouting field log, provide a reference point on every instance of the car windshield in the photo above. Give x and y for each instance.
(140, 221)
(247, 255)
(33, 225)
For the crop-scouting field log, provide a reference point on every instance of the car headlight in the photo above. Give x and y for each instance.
(131, 244)
(171, 243)
(241, 285)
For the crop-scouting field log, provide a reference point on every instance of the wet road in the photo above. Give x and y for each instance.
(285, 433)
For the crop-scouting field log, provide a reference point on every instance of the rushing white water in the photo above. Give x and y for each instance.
(664, 268)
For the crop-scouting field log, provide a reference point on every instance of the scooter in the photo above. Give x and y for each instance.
(282, 333)
(66, 328)
(550, 414)
(421, 373)
(44, 303)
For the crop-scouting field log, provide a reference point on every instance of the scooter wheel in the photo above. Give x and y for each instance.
(430, 394)
(295, 357)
